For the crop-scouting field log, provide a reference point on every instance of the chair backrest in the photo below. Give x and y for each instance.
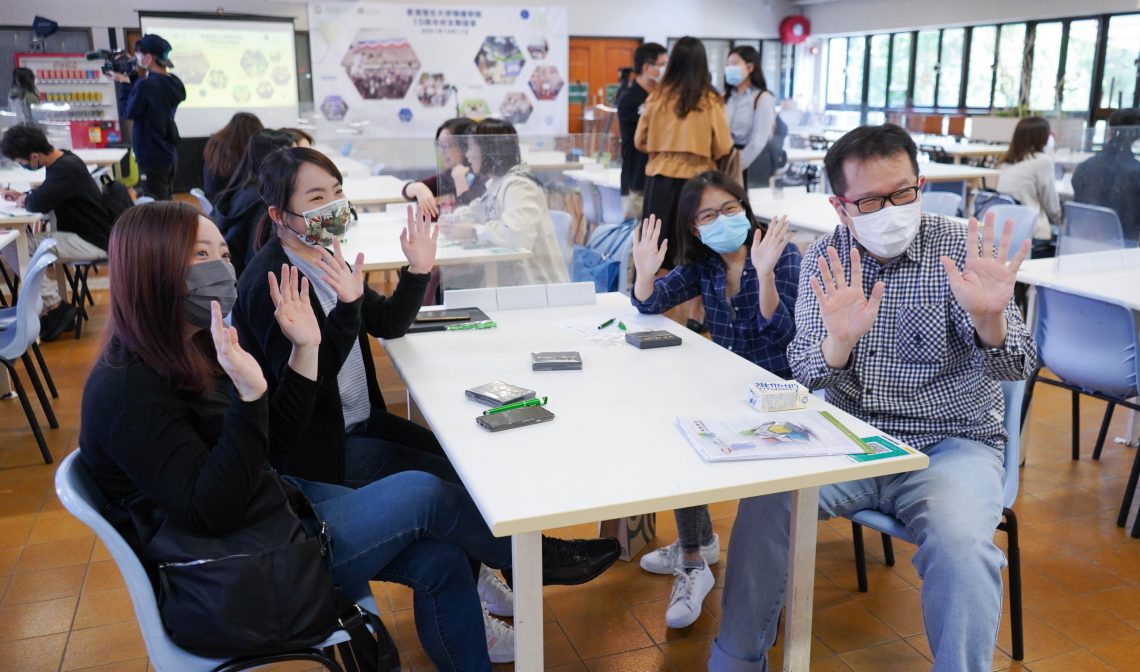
(562, 221)
(203, 202)
(1089, 228)
(83, 499)
(144, 199)
(1014, 393)
(591, 209)
(1024, 219)
(1087, 342)
(941, 203)
(984, 199)
(28, 308)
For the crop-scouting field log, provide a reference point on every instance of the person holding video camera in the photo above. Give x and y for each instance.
(150, 106)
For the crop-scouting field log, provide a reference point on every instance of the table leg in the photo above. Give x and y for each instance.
(801, 579)
(527, 567)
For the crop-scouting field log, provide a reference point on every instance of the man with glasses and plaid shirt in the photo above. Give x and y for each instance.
(918, 356)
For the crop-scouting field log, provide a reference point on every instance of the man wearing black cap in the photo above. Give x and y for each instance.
(151, 105)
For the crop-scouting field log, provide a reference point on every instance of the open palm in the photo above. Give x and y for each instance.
(767, 249)
(648, 255)
(985, 286)
(293, 310)
(847, 313)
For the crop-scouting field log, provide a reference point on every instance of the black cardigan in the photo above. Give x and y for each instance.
(314, 450)
(197, 459)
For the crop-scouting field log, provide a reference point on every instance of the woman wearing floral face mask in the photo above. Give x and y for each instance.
(748, 277)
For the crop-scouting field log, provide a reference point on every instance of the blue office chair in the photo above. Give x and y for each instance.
(1091, 346)
(1024, 219)
(562, 221)
(15, 343)
(889, 526)
(83, 499)
(1090, 228)
(591, 208)
(941, 203)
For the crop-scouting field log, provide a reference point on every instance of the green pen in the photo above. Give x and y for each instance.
(607, 323)
(541, 401)
(485, 324)
(621, 325)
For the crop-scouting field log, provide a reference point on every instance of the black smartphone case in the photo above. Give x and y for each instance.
(519, 417)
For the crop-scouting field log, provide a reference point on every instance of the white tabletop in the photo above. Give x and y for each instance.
(22, 180)
(1065, 187)
(952, 172)
(620, 411)
(807, 211)
(805, 155)
(1109, 276)
(548, 159)
(609, 177)
(8, 237)
(374, 190)
(101, 157)
(377, 235)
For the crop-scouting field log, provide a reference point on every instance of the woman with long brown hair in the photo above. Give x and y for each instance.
(224, 150)
(177, 418)
(1027, 174)
(684, 130)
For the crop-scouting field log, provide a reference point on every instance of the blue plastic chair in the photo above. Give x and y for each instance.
(613, 212)
(1024, 220)
(15, 342)
(562, 221)
(83, 499)
(941, 203)
(591, 209)
(203, 202)
(623, 254)
(889, 526)
(8, 320)
(1090, 228)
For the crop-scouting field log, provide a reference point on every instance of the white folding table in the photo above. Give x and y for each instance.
(374, 190)
(620, 411)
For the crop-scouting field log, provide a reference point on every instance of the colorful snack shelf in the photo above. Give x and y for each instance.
(74, 90)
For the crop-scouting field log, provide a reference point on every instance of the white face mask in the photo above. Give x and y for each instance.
(1051, 146)
(657, 73)
(888, 232)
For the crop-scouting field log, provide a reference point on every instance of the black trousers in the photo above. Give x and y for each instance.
(159, 182)
(662, 194)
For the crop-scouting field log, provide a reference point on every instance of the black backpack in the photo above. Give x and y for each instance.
(116, 197)
(262, 589)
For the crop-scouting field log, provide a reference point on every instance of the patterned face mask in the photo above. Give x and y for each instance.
(327, 222)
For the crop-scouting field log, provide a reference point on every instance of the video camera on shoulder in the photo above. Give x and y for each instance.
(113, 61)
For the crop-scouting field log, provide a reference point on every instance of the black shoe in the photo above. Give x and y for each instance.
(569, 562)
(698, 327)
(58, 320)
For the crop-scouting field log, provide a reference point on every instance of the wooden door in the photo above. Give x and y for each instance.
(595, 61)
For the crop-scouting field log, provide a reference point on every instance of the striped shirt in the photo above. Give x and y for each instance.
(352, 380)
(920, 374)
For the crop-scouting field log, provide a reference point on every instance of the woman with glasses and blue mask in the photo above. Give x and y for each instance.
(748, 276)
(752, 115)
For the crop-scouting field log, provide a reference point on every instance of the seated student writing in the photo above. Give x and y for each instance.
(909, 325)
(455, 183)
(748, 276)
(347, 436)
(83, 224)
(177, 417)
(512, 213)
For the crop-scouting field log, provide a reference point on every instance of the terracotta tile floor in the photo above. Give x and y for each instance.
(63, 605)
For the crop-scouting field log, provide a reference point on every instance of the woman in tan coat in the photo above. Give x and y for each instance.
(684, 130)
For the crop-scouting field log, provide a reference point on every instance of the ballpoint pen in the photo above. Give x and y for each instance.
(485, 324)
(540, 401)
(607, 323)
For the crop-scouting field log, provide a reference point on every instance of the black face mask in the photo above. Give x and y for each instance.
(209, 281)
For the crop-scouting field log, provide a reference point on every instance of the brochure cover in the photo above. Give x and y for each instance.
(771, 435)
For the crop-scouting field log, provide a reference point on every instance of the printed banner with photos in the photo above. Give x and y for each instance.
(395, 70)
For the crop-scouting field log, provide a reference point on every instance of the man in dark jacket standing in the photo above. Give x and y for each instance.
(151, 106)
(648, 68)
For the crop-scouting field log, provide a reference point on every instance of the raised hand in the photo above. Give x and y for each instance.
(294, 312)
(346, 281)
(647, 254)
(419, 240)
(238, 364)
(986, 286)
(846, 312)
(766, 250)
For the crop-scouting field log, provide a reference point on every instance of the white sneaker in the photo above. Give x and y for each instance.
(500, 639)
(495, 594)
(667, 559)
(690, 589)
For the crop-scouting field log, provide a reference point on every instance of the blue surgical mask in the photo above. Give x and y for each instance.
(727, 232)
(733, 75)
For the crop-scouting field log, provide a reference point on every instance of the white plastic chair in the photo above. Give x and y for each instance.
(15, 342)
(203, 202)
(83, 499)
(562, 221)
(941, 203)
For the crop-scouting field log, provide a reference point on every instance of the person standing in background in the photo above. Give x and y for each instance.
(684, 130)
(649, 62)
(751, 116)
(23, 95)
(151, 105)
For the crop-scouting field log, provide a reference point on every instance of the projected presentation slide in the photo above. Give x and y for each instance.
(230, 65)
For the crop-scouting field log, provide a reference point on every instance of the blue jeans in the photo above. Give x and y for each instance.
(415, 529)
(951, 508)
(386, 445)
